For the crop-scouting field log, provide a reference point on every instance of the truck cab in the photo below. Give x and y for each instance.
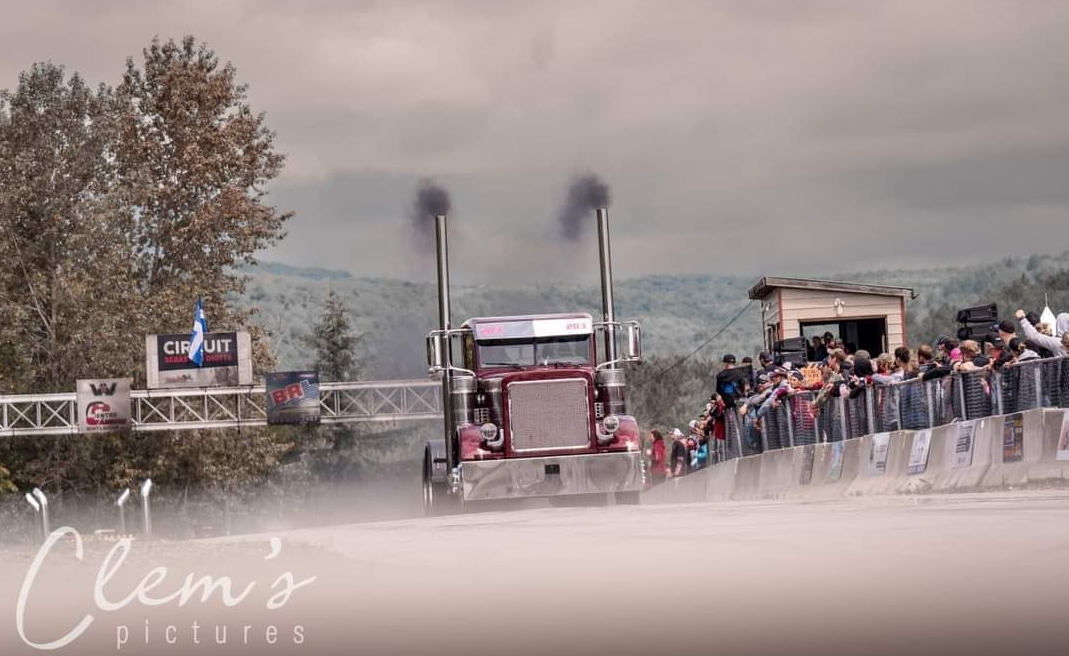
(529, 408)
(535, 413)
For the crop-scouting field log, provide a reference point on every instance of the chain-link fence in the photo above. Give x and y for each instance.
(856, 414)
(803, 419)
(908, 405)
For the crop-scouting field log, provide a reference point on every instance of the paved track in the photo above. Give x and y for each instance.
(948, 574)
(968, 574)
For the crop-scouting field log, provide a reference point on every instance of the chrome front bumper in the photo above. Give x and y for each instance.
(550, 476)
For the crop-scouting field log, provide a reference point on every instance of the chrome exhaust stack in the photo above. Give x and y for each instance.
(444, 325)
(608, 309)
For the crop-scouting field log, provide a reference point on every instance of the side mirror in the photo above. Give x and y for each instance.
(434, 353)
(634, 342)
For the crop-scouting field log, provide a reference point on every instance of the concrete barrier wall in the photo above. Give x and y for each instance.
(748, 478)
(954, 477)
(781, 473)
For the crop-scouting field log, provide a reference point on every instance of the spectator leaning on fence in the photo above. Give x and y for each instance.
(780, 389)
(970, 351)
(925, 361)
(1057, 347)
(1020, 352)
(833, 379)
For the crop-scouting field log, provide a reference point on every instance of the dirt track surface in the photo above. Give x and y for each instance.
(969, 574)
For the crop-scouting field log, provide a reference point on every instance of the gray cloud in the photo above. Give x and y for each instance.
(741, 136)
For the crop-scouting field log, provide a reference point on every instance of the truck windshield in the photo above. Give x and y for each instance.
(528, 353)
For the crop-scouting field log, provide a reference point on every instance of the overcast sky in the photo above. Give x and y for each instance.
(753, 137)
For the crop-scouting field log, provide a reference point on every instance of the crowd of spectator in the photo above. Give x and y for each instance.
(836, 369)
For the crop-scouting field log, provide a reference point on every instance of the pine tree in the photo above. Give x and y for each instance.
(334, 342)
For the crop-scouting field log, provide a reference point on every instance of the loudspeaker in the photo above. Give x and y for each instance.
(790, 345)
(979, 332)
(979, 314)
(796, 358)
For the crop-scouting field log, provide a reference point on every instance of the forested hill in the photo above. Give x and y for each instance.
(677, 312)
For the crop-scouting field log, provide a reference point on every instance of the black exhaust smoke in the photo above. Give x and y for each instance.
(431, 201)
(586, 194)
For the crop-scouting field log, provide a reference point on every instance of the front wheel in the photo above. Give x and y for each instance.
(436, 497)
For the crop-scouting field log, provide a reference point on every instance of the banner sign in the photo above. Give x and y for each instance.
(835, 472)
(103, 404)
(227, 361)
(292, 397)
(918, 455)
(1013, 438)
(808, 455)
(1063, 438)
(964, 445)
(532, 328)
(878, 455)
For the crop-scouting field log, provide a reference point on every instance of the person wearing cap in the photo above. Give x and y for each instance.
(678, 463)
(1007, 332)
(780, 389)
(995, 352)
(750, 423)
(730, 382)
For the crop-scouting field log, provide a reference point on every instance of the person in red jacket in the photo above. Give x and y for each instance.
(658, 458)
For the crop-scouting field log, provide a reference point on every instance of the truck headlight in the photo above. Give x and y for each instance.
(493, 437)
(611, 424)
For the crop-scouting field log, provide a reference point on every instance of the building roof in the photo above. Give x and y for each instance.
(766, 285)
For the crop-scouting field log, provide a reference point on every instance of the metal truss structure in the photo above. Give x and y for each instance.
(227, 407)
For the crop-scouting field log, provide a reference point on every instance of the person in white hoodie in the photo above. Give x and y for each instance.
(1061, 326)
(1058, 346)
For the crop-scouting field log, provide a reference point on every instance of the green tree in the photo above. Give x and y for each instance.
(334, 342)
(61, 292)
(117, 208)
(195, 161)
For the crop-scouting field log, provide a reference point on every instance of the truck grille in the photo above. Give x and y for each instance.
(549, 414)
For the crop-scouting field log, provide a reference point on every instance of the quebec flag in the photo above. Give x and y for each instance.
(196, 338)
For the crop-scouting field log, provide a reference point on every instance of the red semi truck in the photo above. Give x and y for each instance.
(533, 407)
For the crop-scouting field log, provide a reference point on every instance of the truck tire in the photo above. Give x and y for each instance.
(436, 497)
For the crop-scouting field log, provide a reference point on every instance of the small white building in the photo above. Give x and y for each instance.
(870, 317)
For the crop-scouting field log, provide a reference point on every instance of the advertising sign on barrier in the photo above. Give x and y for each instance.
(1013, 438)
(227, 361)
(878, 455)
(809, 453)
(103, 404)
(292, 397)
(1063, 438)
(918, 455)
(835, 472)
(963, 446)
